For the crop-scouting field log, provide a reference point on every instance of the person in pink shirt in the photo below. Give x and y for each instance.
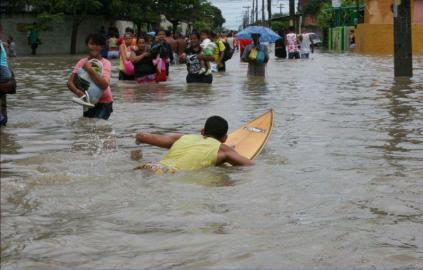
(104, 107)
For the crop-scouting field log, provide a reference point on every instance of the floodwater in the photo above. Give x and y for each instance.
(339, 184)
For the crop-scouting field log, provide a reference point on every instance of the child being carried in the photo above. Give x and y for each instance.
(207, 50)
(84, 82)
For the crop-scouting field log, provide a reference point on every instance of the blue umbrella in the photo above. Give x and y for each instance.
(266, 34)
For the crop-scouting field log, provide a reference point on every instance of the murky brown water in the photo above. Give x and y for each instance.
(340, 183)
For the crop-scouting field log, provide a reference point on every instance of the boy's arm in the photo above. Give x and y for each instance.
(170, 52)
(164, 141)
(229, 155)
(72, 87)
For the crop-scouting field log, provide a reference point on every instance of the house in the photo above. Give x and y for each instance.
(376, 34)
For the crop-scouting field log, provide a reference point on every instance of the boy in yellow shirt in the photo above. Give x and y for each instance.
(193, 152)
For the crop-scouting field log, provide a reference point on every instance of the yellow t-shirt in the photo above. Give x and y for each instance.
(192, 152)
(220, 47)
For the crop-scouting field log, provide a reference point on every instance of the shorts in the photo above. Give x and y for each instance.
(294, 55)
(5, 74)
(305, 56)
(156, 168)
(199, 78)
(100, 110)
(124, 77)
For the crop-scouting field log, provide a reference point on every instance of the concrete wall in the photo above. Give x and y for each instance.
(56, 41)
(418, 11)
(376, 35)
(379, 38)
(378, 12)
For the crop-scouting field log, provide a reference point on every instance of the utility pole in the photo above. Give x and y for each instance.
(262, 13)
(280, 8)
(247, 14)
(292, 12)
(252, 12)
(269, 12)
(256, 11)
(403, 58)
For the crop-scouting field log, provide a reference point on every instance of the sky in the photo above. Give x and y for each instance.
(232, 10)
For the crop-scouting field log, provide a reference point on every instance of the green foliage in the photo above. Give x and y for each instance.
(278, 25)
(313, 6)
(198, 12)
(324, 18)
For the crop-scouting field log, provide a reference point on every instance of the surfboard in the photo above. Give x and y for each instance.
(250, 139)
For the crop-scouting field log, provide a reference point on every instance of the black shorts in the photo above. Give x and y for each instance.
(294, 55)
(100, 110)
(222, 68)
(199, 78)
(124, 77)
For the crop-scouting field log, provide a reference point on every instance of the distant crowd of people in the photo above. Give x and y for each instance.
(295, 46)
(147, 58)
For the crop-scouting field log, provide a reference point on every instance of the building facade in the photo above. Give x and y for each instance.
(376, 34)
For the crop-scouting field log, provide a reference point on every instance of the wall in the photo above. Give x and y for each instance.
(418, 11)
(379, 38)
(56, 41)
(376, 35)
(378, 12)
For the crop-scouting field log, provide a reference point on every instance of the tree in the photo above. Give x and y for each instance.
(209, 15)
(141, 12)
(77, 9)
(199, 12)
(177, 11)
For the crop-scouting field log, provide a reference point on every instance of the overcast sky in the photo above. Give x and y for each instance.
(232, 10)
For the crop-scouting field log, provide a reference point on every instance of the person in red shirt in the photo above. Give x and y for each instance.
(242, 44)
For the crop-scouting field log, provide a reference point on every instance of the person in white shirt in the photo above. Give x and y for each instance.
(306, 45)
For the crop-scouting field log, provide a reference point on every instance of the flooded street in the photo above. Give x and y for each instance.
(339, 184)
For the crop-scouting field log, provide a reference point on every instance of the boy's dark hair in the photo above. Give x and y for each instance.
(161, 30)
(195, 33)
(96, 38)
(168, 33)
(216, 127)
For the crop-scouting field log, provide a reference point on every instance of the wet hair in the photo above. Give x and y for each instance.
(161, 30)
(216, 127)
(95, 38)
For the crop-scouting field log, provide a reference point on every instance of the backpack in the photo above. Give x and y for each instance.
(227, 54)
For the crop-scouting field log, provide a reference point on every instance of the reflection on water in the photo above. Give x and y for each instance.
(338, 184)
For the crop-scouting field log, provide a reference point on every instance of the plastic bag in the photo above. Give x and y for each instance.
(260, 57)
(253, 54)
(128, 67)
